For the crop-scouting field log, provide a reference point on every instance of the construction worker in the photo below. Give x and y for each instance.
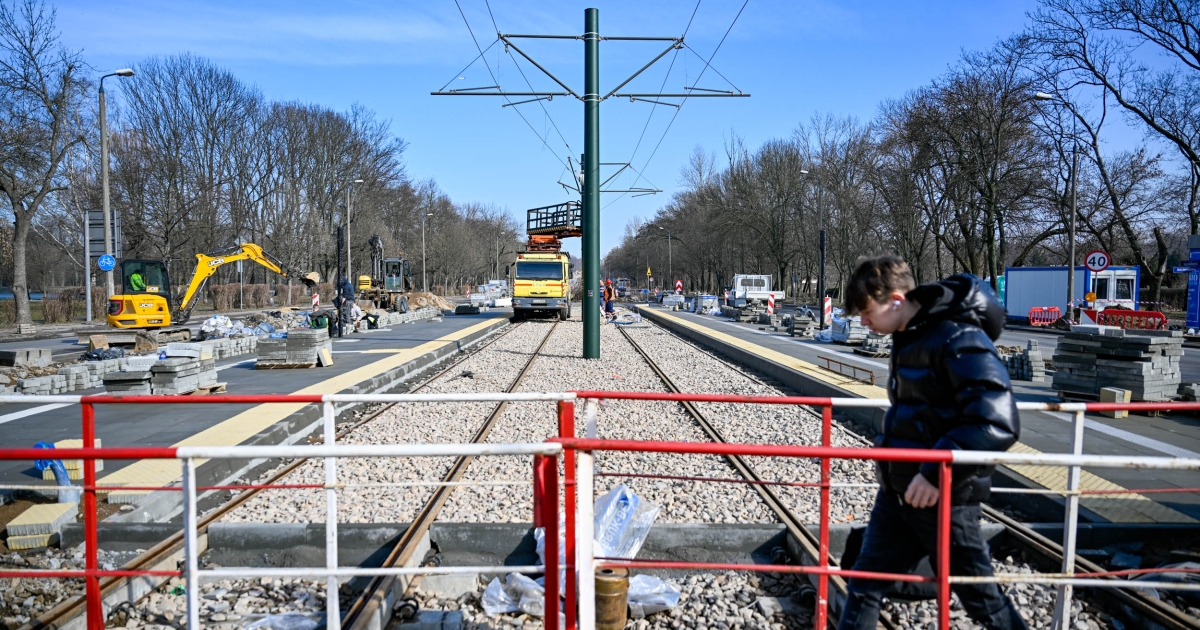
(610, 311)
(137, 282)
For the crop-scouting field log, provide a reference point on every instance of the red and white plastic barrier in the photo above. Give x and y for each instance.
(771, 304)
(679, 286)
(1132, 320)
(1044, 315)
(827, 307)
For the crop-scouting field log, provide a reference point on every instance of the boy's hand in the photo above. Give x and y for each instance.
(921, 493)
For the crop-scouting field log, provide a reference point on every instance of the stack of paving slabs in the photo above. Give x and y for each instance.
(1027, 365)
(74, 466)
(849, 331)
(1144, 362)
(1189, 391)
(175, 375)
(875, 345)
(40, 525)
(297, 348)
(201, 352)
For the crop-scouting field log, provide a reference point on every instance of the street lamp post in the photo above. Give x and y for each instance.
(670, 265)
(108, 235)
(820, 253)
(1042, 96)
(424, 280)
(349, 276)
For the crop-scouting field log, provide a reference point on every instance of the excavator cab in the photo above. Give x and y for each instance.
(396, 274)
(146, 299)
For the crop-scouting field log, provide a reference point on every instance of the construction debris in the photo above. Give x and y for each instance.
(26, 357)
(1145, 362)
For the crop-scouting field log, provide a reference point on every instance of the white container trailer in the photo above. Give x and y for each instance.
(1029, 287)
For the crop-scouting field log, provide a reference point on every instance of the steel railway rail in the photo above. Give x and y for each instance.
(373, 608)
(1046, 552)
(168, 553)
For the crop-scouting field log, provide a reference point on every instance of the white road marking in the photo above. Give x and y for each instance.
(31, 412)
(1132, 438)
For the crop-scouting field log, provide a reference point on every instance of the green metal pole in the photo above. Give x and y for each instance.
(591, 183)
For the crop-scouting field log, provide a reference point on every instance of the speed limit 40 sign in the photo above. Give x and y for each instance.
(1097, 261)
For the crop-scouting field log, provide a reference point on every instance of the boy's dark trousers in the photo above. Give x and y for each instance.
(898, 536)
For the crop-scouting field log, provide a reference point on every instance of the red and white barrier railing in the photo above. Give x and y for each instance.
(578, 492)
(1044, 315)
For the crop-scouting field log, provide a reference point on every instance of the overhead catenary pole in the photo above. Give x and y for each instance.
(591, 97)
(109, 288)
(1071, 236)
(591, 183)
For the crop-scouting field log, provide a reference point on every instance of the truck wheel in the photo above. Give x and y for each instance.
(564, 314)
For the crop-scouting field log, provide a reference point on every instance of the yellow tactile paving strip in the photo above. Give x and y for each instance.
(1117, 508)
(243, 426)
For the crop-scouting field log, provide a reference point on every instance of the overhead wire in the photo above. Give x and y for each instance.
(650, 116)
(527, 82)
(707, 64)
(497, 81)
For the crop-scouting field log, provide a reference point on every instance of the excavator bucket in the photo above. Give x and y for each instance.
(311, 279)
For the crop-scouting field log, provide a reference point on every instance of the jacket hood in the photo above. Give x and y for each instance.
(962, 298)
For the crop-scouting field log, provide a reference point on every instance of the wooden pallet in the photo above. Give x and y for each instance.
(218, 388)
(283, 366)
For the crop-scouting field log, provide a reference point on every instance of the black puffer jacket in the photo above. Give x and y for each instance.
(948, 387)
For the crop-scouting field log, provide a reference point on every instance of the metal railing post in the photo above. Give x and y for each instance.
(1062, 603)
(191, 546)
(566, 429)
(95, 603)
(548, 470)
(584, 524)
(333, 612)
(943, 555)
(539, 493)
(821, 618)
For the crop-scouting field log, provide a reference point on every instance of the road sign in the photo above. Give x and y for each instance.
(679, 286)
(1182, 269)
(648, 274)
(106, 263)
(1097, 260)
(96, 232)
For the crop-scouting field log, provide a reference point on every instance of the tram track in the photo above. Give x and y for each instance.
(166, 554)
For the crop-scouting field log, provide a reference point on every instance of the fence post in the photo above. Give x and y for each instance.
(191, 547)
(584, 524)
(1062, 603)
(943, 555)
(333, 612)
(548, 474)
(822, 616)
(95, 603)
(539, 491)
(566, 429)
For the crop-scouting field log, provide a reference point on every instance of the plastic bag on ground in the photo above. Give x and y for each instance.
(496, 600)
(530, 596)
(825, 336)
(286, 621)
(649, 595)
(103, 354)
(622, 522)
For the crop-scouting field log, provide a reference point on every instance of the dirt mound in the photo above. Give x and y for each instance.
(421, 300)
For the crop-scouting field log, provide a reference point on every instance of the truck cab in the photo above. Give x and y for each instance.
(542, 285)
(751, 288)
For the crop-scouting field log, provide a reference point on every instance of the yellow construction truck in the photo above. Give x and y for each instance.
(145, 303)
(542, 282)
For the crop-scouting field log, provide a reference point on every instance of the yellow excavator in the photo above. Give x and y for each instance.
(146, 301)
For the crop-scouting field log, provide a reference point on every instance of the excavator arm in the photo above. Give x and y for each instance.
(207, 264)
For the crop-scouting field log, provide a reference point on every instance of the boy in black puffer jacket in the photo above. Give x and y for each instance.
(948, 390)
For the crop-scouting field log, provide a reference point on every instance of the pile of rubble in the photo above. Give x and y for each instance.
(422, 300)
(1143, 362)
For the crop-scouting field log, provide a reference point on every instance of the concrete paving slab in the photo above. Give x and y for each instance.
(45, 518)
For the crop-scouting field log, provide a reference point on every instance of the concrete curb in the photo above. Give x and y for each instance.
(792, 379)
(163, 505)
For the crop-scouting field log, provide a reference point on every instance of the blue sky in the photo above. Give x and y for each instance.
(795, 58)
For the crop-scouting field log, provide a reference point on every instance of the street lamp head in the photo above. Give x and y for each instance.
(124, 72)
(803, 172)
(1042, 96)
(661, 227)
(358, 181)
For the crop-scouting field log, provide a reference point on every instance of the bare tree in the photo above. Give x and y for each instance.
(41, 89)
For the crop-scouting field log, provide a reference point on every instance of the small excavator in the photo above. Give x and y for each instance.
(390, 282)
(146, 302)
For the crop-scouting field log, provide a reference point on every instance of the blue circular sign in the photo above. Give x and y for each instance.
(106, 263)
